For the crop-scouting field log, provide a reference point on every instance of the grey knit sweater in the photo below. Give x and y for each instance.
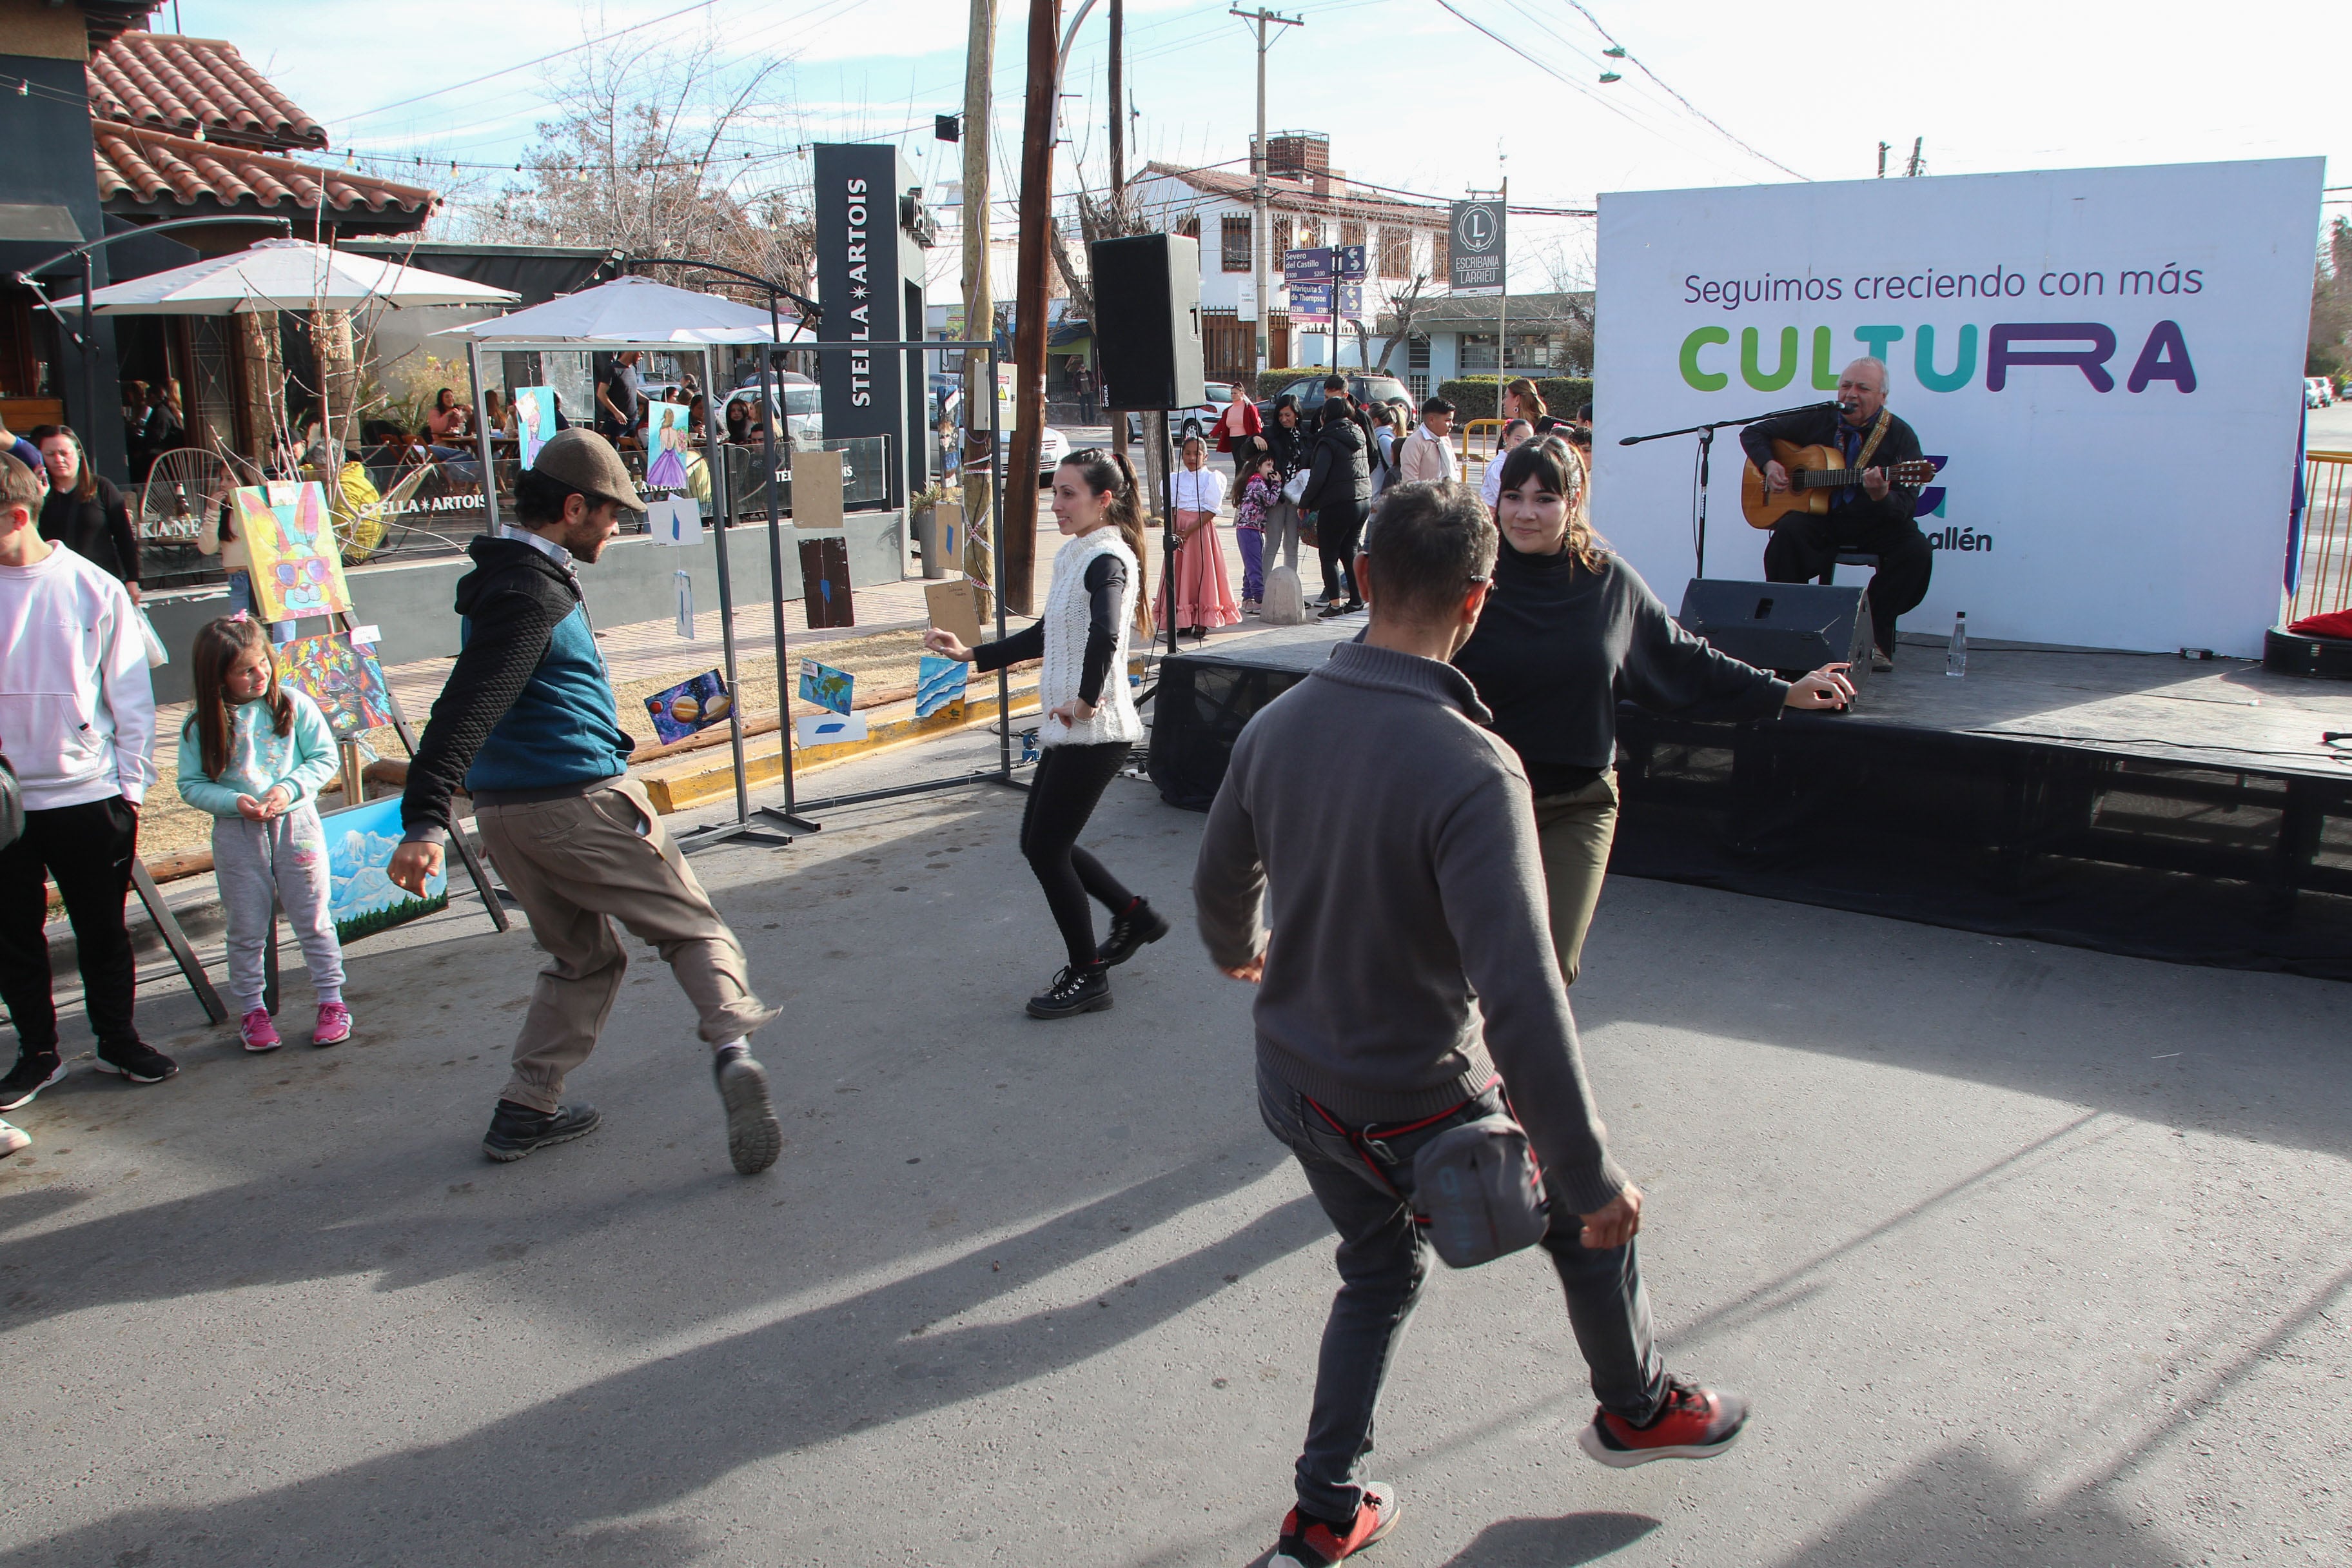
(1409, 956)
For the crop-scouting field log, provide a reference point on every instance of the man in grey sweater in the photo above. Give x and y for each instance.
(1404, 977)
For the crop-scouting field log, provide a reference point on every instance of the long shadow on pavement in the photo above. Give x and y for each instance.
(569, 1471)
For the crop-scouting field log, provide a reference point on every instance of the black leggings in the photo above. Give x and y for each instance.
(1338, 527)
(1063, 792)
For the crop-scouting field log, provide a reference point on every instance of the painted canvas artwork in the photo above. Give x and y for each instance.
(365, 900)
(827, 687)
(689, 706)
(346, 682)
(668, 434)
(938, 682)
(298, 568)
(534, 409)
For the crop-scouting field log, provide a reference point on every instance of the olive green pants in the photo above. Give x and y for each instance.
(1574, 831)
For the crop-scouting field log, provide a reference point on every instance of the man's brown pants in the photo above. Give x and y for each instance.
(578, 865)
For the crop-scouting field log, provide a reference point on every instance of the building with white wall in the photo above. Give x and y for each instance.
(1310, 204)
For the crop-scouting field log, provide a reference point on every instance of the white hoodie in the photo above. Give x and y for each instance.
(76, 710)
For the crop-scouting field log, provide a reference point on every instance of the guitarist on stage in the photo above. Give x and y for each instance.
(1876, 519)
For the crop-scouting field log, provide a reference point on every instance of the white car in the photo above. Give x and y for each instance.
(1199, 419)
(1051, 448)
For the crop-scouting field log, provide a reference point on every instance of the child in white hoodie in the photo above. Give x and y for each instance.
(254, 755)
(78, 724)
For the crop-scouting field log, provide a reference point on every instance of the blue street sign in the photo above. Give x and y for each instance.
(1351, 301)
(1351, 263)
(1310, 266)
(1310, 301)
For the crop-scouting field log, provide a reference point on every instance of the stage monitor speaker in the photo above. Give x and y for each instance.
(1148, 320)
(1785, 627)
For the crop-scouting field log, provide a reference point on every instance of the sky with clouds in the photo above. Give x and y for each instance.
(1423, 95)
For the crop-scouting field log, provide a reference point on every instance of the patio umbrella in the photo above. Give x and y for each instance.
(635, 311)
(286, 275)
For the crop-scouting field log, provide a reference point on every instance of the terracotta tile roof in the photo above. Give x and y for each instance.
(143, 172)
(194, 87)
(1295, 196)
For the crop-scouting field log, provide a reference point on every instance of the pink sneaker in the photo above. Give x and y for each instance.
(334, 1025)
(259, 1033)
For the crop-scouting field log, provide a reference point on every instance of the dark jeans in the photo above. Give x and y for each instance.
(1803, 546)
(88, 848)
(1382, 1262)
(1063, 792)
(1338, 527)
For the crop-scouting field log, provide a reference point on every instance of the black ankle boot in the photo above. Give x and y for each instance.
(1131, 930)
(1075, 990)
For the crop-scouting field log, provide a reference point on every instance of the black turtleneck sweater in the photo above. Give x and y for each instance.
(1560, 644)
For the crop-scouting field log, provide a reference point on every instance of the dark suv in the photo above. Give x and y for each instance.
(1366, 388)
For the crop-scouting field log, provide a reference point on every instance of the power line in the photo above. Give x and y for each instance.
(1634, 60)
(542, 59)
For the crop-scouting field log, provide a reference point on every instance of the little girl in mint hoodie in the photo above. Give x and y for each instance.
(254, 755)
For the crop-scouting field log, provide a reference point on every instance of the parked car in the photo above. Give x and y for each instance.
(2316, 392)
(804, 405)
(1198, 419)
(1365, 387)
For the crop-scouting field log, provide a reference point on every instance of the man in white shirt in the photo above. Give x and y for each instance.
(1428, 454)
(78, 724)
(1490, 488)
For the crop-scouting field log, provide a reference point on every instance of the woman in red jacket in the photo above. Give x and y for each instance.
(1239, 420)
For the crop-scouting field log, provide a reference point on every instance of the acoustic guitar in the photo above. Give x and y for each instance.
(1815, 474)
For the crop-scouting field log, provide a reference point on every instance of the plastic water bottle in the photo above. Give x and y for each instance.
(1956, 657)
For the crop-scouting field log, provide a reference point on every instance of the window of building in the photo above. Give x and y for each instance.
(1416, 353)
(1396, 252)
(1189, 226)
(1280, 230)
(1236, 242)
(1441, 267)
(1417, 383)
(1310, 233)
(1476, 352)
(1351, 234)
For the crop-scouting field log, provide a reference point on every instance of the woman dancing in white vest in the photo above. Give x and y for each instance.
(1090, 719)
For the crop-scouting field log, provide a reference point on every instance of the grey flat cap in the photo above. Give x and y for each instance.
(584, 461)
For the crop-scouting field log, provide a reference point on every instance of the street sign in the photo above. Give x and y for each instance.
(1351, 263)
(1310, 266)
(1246, 306)
(1310, 301)
(1476, 252)
(1351, 301)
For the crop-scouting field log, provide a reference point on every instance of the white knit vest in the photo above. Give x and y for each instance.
(1068, 612)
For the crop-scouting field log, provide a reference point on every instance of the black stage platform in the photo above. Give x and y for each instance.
(2131, 803)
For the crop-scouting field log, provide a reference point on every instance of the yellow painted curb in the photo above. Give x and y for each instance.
(690, 787)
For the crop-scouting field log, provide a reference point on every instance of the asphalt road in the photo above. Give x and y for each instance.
(2026, 1255)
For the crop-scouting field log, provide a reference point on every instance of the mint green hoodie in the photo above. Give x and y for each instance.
(258, 757)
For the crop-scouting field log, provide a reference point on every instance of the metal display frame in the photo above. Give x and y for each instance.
(771, 825)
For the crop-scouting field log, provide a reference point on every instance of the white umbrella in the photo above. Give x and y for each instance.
(286, 275)
(632, 309)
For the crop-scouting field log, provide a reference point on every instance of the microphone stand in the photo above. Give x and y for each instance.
(1705, 434)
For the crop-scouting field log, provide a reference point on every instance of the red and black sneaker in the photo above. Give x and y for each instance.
(1694, 1423)
(1310, 1542)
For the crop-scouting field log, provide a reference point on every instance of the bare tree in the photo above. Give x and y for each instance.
(652, 151)
(2331, 304)
(1404, 308)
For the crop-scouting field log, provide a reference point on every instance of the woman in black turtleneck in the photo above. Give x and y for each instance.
(1568, 629)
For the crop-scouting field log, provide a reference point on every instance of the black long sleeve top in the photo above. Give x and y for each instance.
(1105, 575)
(98, 530)
(1559, 643)
(1822, 427)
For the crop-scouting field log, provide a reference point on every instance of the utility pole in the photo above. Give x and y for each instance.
(1883, 150)
(979, 301)
(1918, 159)
(1017, 555)
(1118, 106)
(1260, 233)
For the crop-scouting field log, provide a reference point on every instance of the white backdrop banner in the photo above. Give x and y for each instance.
(2108, 361)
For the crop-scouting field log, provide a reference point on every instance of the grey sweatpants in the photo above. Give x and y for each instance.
(285, 857)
